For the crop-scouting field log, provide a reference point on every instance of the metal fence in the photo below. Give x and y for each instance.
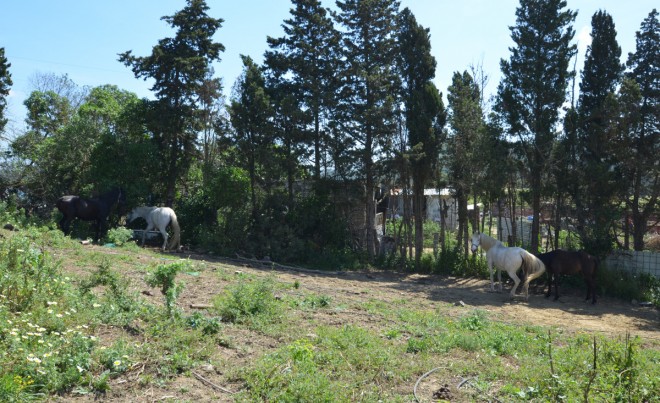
(635, 262)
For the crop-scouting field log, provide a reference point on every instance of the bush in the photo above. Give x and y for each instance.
(247, 300)
(119, 235)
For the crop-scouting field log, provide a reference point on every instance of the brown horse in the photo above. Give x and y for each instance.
(560, 262)
(96, 209)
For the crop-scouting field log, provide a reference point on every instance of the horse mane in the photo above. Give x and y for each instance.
(488, 241)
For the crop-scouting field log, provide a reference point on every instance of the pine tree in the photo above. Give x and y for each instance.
(366, 111)
(466, 122)
(643, 127)
(179, 67)
(533, 87)
(5, 84)
(597, 136)
(305, 60)
(424, 111)
(250, 114)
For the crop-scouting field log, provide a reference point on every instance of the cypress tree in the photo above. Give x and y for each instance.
(597, 134)
(425, 115)
(642, 133)
(5, 84)
(533, 88)
(366, 109)
(305, 61)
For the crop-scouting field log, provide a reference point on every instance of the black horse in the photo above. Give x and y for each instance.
(94, 209)
(560, 262)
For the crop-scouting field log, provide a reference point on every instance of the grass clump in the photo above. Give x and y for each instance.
(338, 364)
(249, 300)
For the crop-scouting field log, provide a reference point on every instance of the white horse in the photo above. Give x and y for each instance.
(159, 217)
(510, 259)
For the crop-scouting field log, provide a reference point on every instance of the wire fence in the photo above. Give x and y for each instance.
(635, 262)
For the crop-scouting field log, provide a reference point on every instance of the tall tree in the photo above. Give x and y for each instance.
(644, 125)
(5, 84)
(306, 58)
(48, 114)
(213, 121)
(533, 86)
(368, 92)
(251, 118)
(179, 66)
(424, 111)
(61, 85)
(466, 123)
(597, 136)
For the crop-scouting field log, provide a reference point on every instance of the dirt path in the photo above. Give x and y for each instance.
(609, 316)
(571, 313)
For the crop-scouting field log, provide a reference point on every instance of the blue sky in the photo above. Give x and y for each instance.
(81, 38)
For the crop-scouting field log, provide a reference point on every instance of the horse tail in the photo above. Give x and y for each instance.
(533, 267)
(176, 238)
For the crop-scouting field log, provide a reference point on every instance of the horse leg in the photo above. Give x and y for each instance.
(100, 230)
(150, 226)
(557, 286)
(499, 280)
(66, 225)
(163, 232)
(591, 290)
(550, 276)
(516, 282)
(490, 270)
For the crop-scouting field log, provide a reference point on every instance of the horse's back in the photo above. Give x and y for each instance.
(506, 257)
(561, 261)
(162, 215)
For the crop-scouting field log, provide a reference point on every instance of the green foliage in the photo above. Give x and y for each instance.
(622, 284)
(316, 301)
(328, 368)
(180, 67)
(249, 300)
(311, 231)
(541, 28)
(208, 326)
(37, 306)
(305, 79)
(214, 215)
(600, 369)
(5, 84)
(475, 321)
(28, 275)
(119, 236)
(163, 276)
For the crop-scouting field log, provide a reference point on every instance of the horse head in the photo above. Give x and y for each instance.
(476, 239)
(132, 215)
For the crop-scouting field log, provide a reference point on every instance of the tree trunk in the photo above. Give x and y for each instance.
(172, 173)
(418, 201)
(536, 213)
(463, 233)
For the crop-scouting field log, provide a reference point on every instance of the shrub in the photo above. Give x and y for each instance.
(247, 300)
(163, 276)
(119, 235)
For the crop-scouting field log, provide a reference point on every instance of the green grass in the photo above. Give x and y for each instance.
(50, 323)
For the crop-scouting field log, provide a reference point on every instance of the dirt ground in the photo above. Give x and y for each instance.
(451, 296)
